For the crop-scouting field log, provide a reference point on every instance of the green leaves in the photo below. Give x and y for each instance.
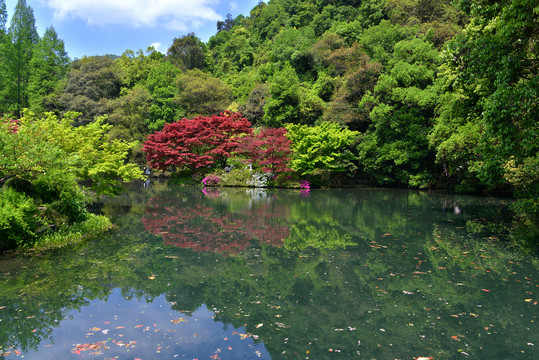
(49, 144)
(321, 149)
(49, 65)
(41, 160)
(395, 147)
(17, 51)
(491, 70)
(17, 220)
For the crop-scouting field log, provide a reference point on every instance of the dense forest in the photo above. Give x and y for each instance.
(411, 93)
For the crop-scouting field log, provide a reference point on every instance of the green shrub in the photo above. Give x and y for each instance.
(18, 221)
(62, 196)
(236, 177)
(92, 227)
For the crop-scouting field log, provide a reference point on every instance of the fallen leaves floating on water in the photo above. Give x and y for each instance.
(176, 321)
(95, 347)
(9, 351)
(242, 336)
(127, 345)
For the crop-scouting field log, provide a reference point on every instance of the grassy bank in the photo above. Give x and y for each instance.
(93, 227)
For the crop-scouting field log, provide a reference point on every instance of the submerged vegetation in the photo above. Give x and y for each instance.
(417, 93)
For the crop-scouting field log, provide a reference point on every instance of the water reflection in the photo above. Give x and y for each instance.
(121, 329)
(185, 220)
(337, 274)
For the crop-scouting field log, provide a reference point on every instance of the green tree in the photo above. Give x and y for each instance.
(346, 75)
(321, 150)
(438, 20)
(49, 65)
(41, 162)
(136, 67)
(4, 42)
(395, 147)
(291, 101)
(293, 45)
(24, 37)
(130, 115)
(492, 72)
(282, 105)
(94, 156)
(378, 41)
(242, 84)
(227, 24)
(202, 94)
(187, 52)
(234, 54)
(304, 15)
(161, 83)
(269, 22)
(3, 18)
(323, 20)
(254, 107)
(91, 83)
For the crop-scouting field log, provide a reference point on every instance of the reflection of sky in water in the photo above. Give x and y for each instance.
(119, 322)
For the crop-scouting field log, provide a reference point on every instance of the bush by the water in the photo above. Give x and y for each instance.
(18, 215)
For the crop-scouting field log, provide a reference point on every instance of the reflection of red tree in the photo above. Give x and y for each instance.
(205, 228)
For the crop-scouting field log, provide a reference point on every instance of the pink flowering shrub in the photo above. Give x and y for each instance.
(211, 180)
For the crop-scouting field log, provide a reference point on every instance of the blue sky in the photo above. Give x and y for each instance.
(98, 27)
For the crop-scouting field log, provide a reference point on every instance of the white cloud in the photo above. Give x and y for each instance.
(174, 14)
(157, 46)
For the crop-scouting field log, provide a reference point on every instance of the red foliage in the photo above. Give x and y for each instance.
(195, 143)
(212, 229)
(270, 149)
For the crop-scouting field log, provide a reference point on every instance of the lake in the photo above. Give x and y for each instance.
(213, 273)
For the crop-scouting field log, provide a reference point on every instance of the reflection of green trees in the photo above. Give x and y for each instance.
(319, 233)
(414, 272)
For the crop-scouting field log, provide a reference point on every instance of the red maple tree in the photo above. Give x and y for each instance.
(195, 143)
(269, 150)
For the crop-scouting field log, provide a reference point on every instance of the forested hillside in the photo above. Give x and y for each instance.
(436, 93)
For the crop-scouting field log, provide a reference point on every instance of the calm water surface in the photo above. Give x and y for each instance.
(195, 273)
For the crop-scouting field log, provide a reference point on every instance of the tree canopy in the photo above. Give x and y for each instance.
(196, 143)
